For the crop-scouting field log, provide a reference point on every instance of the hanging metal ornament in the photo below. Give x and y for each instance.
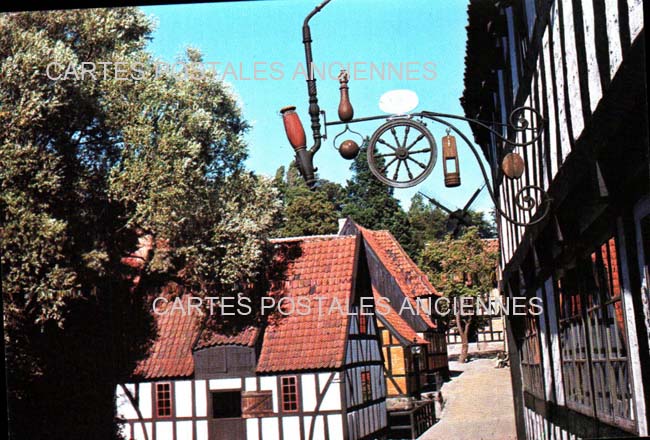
(450, 164)
(402, 162)
(348, 149)
(346, 112)
(513, 165)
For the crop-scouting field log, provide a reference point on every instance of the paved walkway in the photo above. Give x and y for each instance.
(478, 404)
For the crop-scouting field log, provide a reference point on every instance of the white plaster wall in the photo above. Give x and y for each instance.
(269, 383)
(332, 399)
(164, 430)
(308, 392)
(138, 433)
(290, 427)
(202, 430)
(270, 428)
(123, 405)
(225, 384)
(335, 426)
(319, 428)
(252, 429)
(144, 394)
(250, 384)
(183, 398)
(184, 430)
(635, 12)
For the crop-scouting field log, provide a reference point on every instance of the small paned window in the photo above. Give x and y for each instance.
(289, 394)
(366, 386)
(164, 399)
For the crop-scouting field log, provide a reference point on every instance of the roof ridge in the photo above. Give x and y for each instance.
(306, 238)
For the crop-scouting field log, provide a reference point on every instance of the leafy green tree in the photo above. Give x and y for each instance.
(373, 205)
(427, 222)
(307, 211)
(486, 226)
(460, 268)
(88, 169)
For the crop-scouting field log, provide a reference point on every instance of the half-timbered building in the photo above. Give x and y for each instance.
(581, 369)
(399, 283)
(309, 374)
(413, 342)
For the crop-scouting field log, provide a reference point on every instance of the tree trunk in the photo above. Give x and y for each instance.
(463, 331)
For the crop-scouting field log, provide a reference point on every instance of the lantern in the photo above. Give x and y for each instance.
(450, 161)
(296, 135)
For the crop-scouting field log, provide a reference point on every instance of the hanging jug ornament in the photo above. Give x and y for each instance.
(293, 128)
(450, 165)
(346, 112)
(513, 165)
(296, 136)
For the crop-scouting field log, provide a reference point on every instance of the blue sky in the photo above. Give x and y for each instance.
(347, 31)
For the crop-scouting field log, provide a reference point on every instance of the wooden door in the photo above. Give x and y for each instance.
(226, 421)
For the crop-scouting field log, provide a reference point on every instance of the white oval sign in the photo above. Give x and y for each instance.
(398, 102)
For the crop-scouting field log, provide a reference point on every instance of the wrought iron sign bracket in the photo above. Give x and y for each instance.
(402, 152)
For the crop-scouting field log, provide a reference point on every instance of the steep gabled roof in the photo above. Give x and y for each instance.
(316, 340)
(412, 282)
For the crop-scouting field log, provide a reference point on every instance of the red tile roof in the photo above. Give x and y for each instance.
(398, 323)
(321, 266)
(491, 245)
(411, 280)
(171, 353)
(324, 268)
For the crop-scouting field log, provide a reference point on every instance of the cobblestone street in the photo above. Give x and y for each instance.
(478, 404)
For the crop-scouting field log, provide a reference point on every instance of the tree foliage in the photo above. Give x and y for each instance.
(307, 211)
(460, 268)
(428, 222)
(87, 168)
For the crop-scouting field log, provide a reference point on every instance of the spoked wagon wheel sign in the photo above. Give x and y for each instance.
(402, 153)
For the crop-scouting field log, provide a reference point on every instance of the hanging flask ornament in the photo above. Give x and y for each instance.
(346, 112)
